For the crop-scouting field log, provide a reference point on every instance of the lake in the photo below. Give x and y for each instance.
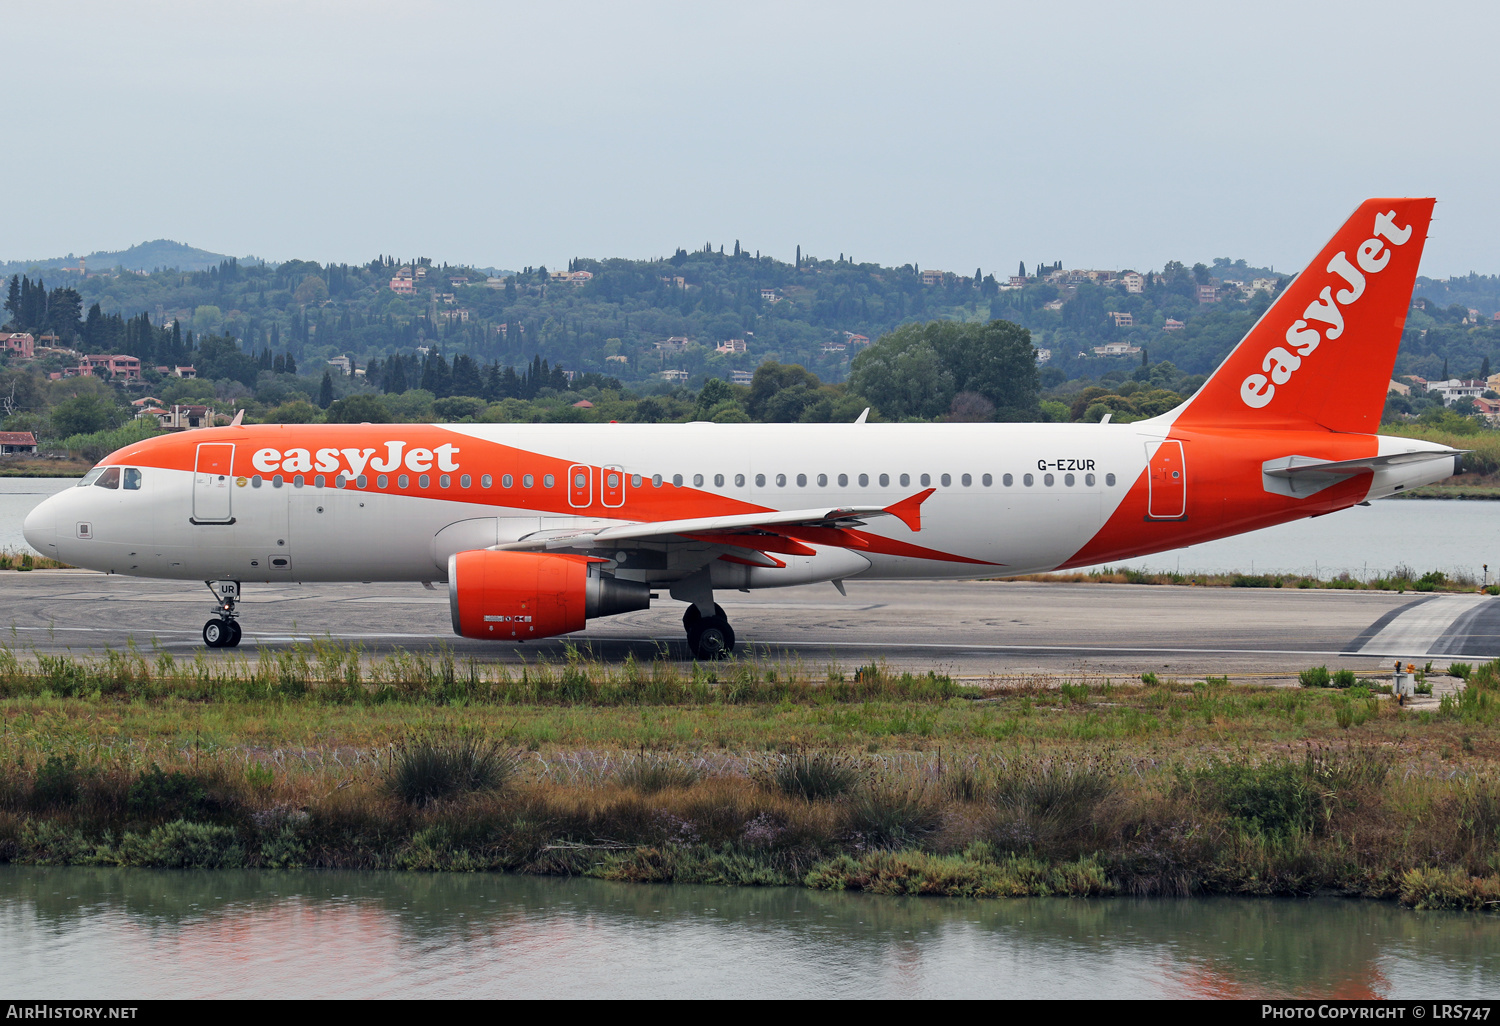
(123, 933)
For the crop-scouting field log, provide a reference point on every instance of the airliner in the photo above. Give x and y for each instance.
(536, 528)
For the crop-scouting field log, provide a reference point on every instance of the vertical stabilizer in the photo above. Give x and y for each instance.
(1322, 355)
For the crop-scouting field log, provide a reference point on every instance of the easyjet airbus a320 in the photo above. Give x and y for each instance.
(536, 528)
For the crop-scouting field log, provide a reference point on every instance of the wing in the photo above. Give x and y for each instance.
(739, 530)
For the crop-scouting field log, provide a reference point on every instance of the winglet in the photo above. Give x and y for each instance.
(863, 414)
(909, 510)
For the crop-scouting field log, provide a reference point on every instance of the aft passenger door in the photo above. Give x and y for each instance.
(212, 484)
(1166, 482)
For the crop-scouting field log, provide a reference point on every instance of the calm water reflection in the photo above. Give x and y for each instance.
(139, 933)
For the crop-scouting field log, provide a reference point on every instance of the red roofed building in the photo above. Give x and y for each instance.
(116, 366)
(22, 343)
(17, 441)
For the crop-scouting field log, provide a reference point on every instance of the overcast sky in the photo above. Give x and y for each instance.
(954, 135)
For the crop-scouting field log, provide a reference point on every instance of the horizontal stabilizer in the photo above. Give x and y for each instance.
(1289, 466)
(1300, 476)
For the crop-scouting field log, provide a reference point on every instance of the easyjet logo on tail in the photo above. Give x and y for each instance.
(1303, 338)
(327, 461)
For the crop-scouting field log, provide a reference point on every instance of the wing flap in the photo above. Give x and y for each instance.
(908, 511)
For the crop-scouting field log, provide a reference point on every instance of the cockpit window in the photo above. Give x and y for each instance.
(132, 479)
(109, 479)
(90, 477)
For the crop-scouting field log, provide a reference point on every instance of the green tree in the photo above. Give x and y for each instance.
(772, 378)
(325, 391)
(83, 415)
(916, 370)
(312, 291)
(220, 357)
(361, 408)
(296, 411)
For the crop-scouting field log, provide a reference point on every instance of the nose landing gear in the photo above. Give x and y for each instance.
(223, 631)
(709, 637)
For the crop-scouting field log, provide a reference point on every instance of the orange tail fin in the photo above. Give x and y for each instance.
(1323, 353)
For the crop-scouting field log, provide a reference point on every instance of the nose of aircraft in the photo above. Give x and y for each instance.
(40, 528)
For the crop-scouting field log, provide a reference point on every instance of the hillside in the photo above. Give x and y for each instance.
(162, 254)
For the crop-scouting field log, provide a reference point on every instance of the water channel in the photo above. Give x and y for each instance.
(95, 933)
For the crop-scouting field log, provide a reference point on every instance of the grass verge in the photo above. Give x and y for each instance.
(752, 774)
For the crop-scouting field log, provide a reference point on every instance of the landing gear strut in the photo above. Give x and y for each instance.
(710, 637)
(223, 631)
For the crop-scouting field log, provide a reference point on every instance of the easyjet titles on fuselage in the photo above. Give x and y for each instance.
(327, 461)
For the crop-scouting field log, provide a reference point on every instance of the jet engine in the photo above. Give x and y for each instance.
(514, 596)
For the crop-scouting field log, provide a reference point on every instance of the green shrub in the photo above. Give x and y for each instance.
(1273, 798)
(1445, 888)
(1314, 677)
(156, 793)
(1343, 678)
(1460, 670)
(1075, 694)
(1149, 679)
(57, 784)
(183, 845)
(429, 770)
(816, 776)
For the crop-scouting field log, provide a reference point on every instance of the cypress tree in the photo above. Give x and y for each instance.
(325, 391)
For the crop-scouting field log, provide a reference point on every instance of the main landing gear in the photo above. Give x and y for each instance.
(710, 637)
(223, 631)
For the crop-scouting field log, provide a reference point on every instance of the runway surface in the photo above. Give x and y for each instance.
(965, 628)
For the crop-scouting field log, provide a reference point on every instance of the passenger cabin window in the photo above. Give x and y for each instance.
(947, 480)
(843, 480)
(864, 480)
(905, 480)
(109, 479)
(926, 480)
(885, 480)
(739, 480)
(1007, 480)
(548, 480)
(1109, 479)
(760, 480)
(801, 480)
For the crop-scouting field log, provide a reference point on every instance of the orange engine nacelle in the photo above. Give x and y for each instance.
(513, 596)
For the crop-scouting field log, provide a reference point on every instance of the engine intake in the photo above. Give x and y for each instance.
(514, 596)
